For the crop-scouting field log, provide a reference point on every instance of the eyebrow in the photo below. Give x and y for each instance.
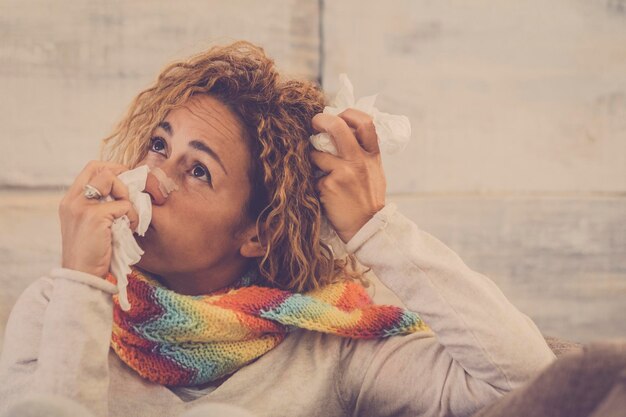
(195, 144)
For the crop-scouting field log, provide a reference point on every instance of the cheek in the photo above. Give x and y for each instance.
(201, 226)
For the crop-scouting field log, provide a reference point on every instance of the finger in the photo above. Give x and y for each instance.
(365, 131)
(133, 217)
(321, 186)
(112, 210)
(89, 170)
(345, 141)
(109, 184)
(326, 188)
(325, 161)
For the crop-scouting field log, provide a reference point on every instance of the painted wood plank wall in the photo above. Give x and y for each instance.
(518, 154)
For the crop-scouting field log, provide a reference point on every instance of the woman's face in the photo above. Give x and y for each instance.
(195, 242)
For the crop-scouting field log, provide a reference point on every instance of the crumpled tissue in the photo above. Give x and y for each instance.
(393, 131)
(125, 250)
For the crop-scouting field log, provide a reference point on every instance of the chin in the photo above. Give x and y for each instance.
(153, 260)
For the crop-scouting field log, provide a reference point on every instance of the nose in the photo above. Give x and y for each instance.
(152, 188)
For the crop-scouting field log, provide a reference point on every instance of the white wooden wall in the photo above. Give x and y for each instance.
(518, 155)
(518, 109)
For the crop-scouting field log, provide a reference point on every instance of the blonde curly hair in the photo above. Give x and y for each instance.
(277, 117)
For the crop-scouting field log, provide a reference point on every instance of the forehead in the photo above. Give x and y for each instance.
(209, 115)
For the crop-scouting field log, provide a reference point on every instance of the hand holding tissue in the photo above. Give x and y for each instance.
(394, 131)
(354, 189)
(125, 250)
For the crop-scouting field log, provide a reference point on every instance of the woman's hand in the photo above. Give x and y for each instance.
(354, 189)
(86, 224)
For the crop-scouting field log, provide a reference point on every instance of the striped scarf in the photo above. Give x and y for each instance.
(182, 340)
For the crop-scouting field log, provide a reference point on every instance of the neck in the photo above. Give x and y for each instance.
(202, 282)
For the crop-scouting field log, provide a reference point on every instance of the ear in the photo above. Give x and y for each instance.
(251, 247)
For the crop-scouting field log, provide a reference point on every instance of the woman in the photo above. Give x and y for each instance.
(241, 235)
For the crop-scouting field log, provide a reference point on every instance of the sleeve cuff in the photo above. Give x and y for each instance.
(378, 222)
(85, 278)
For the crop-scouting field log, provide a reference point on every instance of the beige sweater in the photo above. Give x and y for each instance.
(58, 334)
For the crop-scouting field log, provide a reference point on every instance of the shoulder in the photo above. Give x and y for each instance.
(346, 350)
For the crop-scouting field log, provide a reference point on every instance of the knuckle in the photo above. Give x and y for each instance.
(349, 113)
(107, 176)
(117, 165)
(62, 209)
(345, 172)
(321, 183)
(365, 116)
(342, 180)
(107, 173)
(350, 174)
(336, 123)
(123, 195)
(317, 121)
(91, 165)
(67, 208)
(330, 184)
(366, 125)
(64, 202)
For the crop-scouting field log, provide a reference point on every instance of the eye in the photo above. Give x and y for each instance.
(200, 171)
(158, 145)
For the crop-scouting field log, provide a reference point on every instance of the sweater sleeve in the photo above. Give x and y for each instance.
(482, 345)
(57, 341)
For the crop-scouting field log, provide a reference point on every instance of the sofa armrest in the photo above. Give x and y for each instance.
(560, 346)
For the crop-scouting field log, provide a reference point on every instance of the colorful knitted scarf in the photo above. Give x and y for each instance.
(181, 340)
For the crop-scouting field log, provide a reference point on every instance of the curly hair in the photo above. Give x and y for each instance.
(276, 115)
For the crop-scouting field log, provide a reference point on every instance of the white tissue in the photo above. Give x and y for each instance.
(126, 251)
(393, 131)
